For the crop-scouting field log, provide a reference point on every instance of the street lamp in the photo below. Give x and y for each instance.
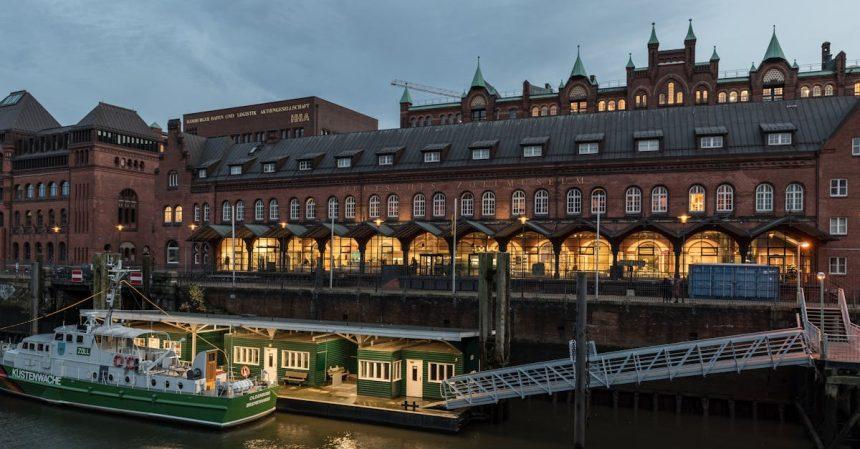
(523, 219)
(192, 227)
(378, 222)
(683, 219)
(801, 245)
(54, 257)
(119, 229)
(283, 246)
(821, 277)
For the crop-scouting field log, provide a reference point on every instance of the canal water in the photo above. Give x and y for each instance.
(534, 424)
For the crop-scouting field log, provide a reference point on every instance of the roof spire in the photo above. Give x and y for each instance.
(690, 35)
(752, 66)
(630, 64)
(578, 66)
(795, 66)
(774, 50)
(406, 98)
(714, 55)
(653, 39)
(478, 79)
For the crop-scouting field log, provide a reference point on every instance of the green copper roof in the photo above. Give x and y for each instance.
(714, 55)
(653, 39)
(630, 64)
(752, 66)
(478, 79)
(774, 50)
(578, 66)
(795, 64)
(406, 98)
(560, 85)
(691, 36)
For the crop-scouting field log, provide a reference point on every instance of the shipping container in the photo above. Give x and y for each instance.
(734, 281)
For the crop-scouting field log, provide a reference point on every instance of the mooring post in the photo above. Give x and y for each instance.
(36, 287)
(503, 309)
(581, 363)
(485, 297)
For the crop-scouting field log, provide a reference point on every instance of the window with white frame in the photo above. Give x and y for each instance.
(541, 206)
(480, 154)
(432, 156)
(855, 146)
(839, 225)
(794, 198)
(274, 211)
(532, 151)
(588, 147)
(418, 203)
(711, 142)
(373, 370)
(240, 210)
(774, 139)
(295, 209)
(349, 208)
(437, 372)
(648, 145)
(659, 200)
(259, 210)
(838, 265)
(269, 167)
(633, 200)
(344, 162)
(246, 356)
(206, 212)
(201, 173)
(385, 159)
(173, 179)
(196, 213)
(235, 170)
(574, 202)
(838, 187)
(226, 211)
(467, 204)
(295, 359)
(439, 205)
(175, 346)
(725, 198)
(393, 206)
(332, 208)
(373, 206)
(764, 198)
(598, 201)
(518, 203)
(396, 370)
(697, 199)
(168, 214)
(488, 204)
(311, 209)
(305, 165)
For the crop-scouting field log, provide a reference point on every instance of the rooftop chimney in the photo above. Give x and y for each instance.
(174, 124)
(825, 53)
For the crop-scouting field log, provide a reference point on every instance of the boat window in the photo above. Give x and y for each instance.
(69, 338)
(58, 337)
(80, 339)
(41, 347)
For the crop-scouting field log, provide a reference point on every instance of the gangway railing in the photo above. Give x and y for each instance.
(738, 353)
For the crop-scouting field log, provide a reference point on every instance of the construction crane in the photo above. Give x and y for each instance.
(428, 89)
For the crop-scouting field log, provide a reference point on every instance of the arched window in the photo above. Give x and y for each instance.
(535, 111)
(622, 104)
(172, 179)
(467, 204)
(857, 89)
(295, 209)
(610, 106)
(196, 212)
(42, 190)
(745, 96)
(794, 198)
(240, 210)
(206, 212)
(488, 204)
(553, 110)
(126, 207)
(544, 111)
(52, 218)
(393, 206)
(52, 189)
(701, 95)
(274, 211)
(671, 95)
(168, 214)
(574, 202)
(764, 198)
(733, 96)
(598, 201)
(518, 203)
(541, 206)
(439, 204)
(311, 209)
(816, 90)
(721, 97)
(773, 83)
(259, 210)
(725, 198)
(31, 191)
(828, 90)
(601, 105)
(804, 92)
(40, 218)
(659, 200)
(332, 208)
(171, 253)
(418, 203)
(641, 100)
(633, 200)
(64, 188)
(373, 206)
(349, 208)
(226, 211)
(697, 199)
(177, 214)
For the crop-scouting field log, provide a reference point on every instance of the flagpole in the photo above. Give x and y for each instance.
(331, 256)
(597, 257)
(454, 253)
(233, 243)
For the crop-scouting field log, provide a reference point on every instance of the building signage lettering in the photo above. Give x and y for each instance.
(35, 377)
(297, 117)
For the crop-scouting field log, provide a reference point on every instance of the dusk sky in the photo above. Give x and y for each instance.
(168, 58)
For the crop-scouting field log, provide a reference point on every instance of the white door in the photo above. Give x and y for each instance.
(414, 378)
(270, 365)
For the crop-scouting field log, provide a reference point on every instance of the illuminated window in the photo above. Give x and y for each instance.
(553, 110)
(659, 200)
(622, 104)
(745, 96)
(610, 106)
(601, 105)
(535, 111)
(697, 199)
(641, 100)
(721, 97)
(168, 214)
(733, 96)
(816, 90)
(828, 90)
(701, 96)
(578, 106)
(804, 92)
(857, 89)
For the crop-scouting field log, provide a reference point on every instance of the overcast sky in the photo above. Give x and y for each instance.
(168, 58)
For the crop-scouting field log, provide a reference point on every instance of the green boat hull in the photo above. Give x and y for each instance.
(211, 411)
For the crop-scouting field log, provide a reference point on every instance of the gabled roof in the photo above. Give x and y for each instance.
(116, 118)
(774, 50)
(21, 111)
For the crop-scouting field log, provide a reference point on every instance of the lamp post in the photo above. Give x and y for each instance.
(683, 219)
(192, 227)
(283, 247)
(801, 245)
(56, 231)
(119, 229)
(523, 219)
(821, 277)
(378, 223)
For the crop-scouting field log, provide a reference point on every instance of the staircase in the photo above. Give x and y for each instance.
(833, 324)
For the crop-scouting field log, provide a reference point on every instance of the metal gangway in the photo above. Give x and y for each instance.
(732, 354)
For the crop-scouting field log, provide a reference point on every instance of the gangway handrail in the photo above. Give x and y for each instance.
(813, 333)
(843, 309)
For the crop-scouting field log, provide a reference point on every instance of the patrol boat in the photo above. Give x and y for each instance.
(107, 366)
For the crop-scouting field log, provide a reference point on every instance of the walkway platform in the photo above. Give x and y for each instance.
(342, 402)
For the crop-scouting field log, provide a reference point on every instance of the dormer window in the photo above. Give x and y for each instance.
(235, 170)
(588, 147)
(269, 167)
(432, 156)
(344, 162)
(776, 139)
(648, 145)
(533, 151)
(479, 154)
(201, 173)
(711, 142)
(386, 159)
(304, 165)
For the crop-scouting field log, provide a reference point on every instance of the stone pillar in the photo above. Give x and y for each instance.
(677, 251)
(744, 250)
(556, 251)
(362, 248)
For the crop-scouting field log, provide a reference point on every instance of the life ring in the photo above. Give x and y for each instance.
(246, 371)
(118, 360)
(131, 363)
